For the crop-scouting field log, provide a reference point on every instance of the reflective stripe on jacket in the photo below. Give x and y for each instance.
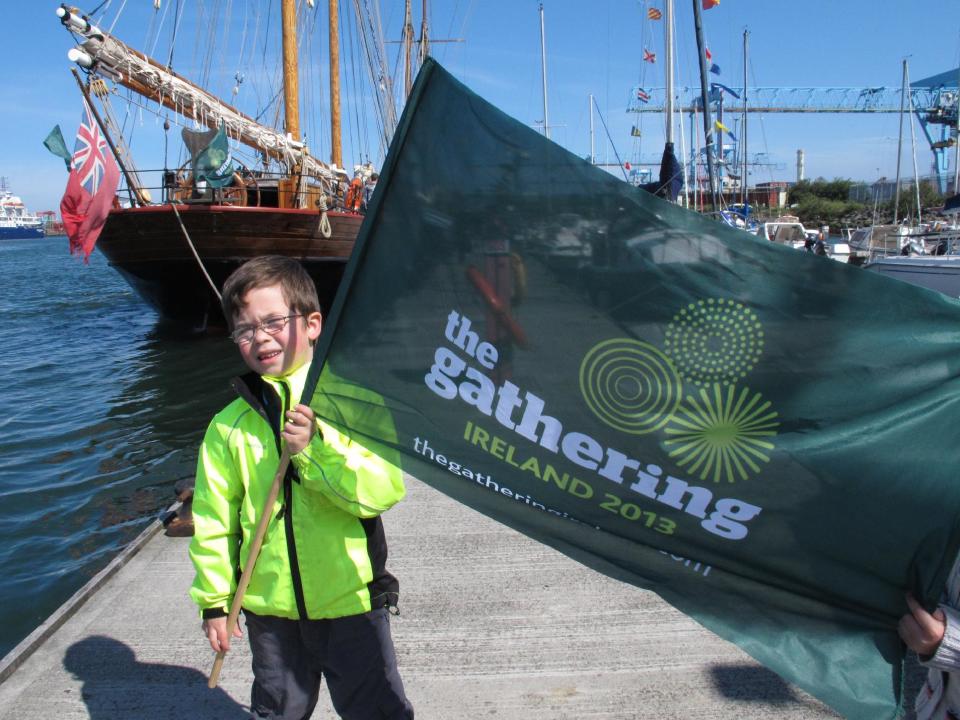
(324, 552)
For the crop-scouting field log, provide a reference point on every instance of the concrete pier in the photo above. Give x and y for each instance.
(492, 625)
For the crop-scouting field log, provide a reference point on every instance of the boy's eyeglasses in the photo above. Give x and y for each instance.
(271, 325)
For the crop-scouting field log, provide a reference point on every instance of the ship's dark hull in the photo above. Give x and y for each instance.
(149, 249)
(21, 233)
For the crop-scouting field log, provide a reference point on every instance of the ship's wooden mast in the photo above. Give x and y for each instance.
(336, 151)
(291, 89)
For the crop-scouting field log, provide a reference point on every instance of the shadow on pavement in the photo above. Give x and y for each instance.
(757, 684)
(116, 686)
(753, 683)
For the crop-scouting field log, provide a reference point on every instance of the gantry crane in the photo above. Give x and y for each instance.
(934, 101)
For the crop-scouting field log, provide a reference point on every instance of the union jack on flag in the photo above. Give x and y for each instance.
(89, 152)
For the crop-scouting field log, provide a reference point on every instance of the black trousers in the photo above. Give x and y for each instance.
(355, 654)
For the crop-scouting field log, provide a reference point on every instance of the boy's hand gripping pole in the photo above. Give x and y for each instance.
(251, 561)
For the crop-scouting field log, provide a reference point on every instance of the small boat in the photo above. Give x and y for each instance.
(936, 272)
(876, 241)
(16, 223)
(928, 255)
(739, 216)
(786, 230)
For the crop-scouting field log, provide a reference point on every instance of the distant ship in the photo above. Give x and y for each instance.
(15, 222)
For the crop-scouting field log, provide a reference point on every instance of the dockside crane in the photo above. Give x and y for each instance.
(935, 103)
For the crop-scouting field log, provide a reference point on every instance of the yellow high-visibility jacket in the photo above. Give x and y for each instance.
(324, 552)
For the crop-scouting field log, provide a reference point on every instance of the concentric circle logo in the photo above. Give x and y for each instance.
(630, 385)
(714, 340)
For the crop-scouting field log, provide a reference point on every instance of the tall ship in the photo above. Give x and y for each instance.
(176, 235)
(16, 222)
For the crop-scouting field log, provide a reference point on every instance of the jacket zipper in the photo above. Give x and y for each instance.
(287, 512)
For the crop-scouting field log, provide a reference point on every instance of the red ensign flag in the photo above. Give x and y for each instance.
(93, 180)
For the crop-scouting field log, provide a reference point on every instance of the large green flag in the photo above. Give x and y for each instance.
(763, 437)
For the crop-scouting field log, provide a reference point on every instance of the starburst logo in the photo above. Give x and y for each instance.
(723, 434)
(714, 340)
(630, 385)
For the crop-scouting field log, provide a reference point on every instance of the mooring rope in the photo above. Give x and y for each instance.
(186, 235)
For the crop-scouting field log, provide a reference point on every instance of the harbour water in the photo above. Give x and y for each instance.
(101, 412)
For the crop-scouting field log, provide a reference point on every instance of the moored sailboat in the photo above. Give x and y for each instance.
(215, 212)
(922, 253)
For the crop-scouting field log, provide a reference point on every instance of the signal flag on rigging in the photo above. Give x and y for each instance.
(714, 68)
(649, 56)
(654, 14)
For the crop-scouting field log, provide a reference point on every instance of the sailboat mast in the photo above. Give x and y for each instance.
(543, 61)
(903, 98)
(913, 149)
(707, 128)
(407, 50)
(336, 151)
(424, 51)
(291, 89)
(743, 129)
(668, 59)
(593, 156)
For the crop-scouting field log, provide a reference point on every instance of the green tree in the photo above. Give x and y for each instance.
(930, 198)
(825, 202)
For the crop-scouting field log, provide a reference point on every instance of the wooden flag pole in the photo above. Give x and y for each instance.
(251, 561)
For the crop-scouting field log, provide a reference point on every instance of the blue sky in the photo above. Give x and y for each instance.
(592, 48)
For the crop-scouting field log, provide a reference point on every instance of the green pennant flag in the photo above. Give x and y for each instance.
(54, 143)
(763, 437)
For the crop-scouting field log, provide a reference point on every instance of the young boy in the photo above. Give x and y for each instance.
(318, 600)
